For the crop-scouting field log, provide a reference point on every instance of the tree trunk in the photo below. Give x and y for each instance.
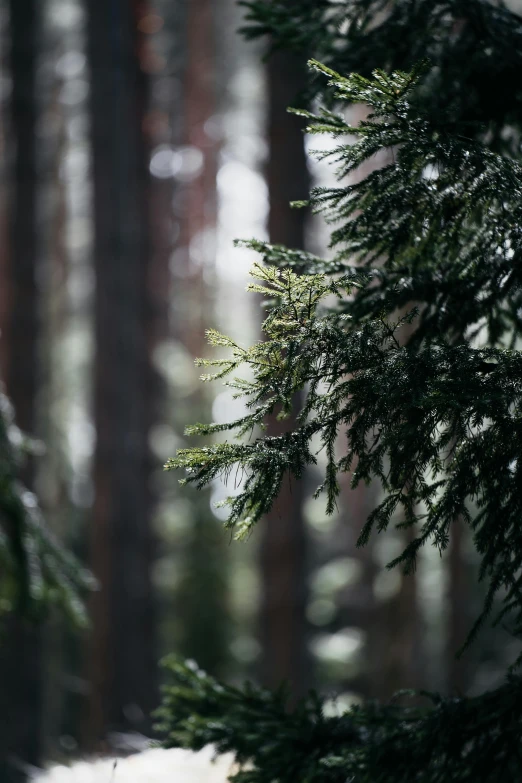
(123, 651)
(20, 644)
(203, 587)
(405, 664)
(197, 190)
(283, 627)
(458, 621)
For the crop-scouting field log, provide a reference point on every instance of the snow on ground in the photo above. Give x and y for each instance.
(151, 766)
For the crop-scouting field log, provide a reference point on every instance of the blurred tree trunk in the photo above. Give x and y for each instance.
(402, 623)
(20, 644)
(357, 603)
(195, 258)
(404, 665)
(203, 587)
(123, 652)
(393, 623)
(283, 627)
(53, 472)
(458, 621)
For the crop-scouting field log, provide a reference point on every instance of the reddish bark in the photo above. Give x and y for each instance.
(283, 555)
(122, 652)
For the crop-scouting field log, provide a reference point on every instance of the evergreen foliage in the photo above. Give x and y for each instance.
(449, 740)
(475, 47)
(437, 226)
(35, 569)
(405, 344)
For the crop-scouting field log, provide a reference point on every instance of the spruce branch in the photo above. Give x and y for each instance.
(390, 388)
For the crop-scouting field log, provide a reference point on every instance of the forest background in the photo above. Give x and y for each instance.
(138, 139)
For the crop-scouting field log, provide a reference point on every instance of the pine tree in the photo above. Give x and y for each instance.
(405, 343)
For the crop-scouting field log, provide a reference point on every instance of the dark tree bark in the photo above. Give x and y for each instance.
(20, 643)
(123, 651)
(22, 320)
(197, 196)
(283, 627)
(202, 594)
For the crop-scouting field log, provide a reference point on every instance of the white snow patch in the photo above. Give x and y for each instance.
(151, 766)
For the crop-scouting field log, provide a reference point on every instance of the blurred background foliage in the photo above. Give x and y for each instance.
(138, 139)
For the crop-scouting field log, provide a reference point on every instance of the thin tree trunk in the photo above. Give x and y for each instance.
(458, 620)
(405, 664)
(52, 472)
(22, 329)
(283, 626)
(357, 604)
(203, 588)
(406, 660)
(123, 651)
(196, 247)
(20, 647)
